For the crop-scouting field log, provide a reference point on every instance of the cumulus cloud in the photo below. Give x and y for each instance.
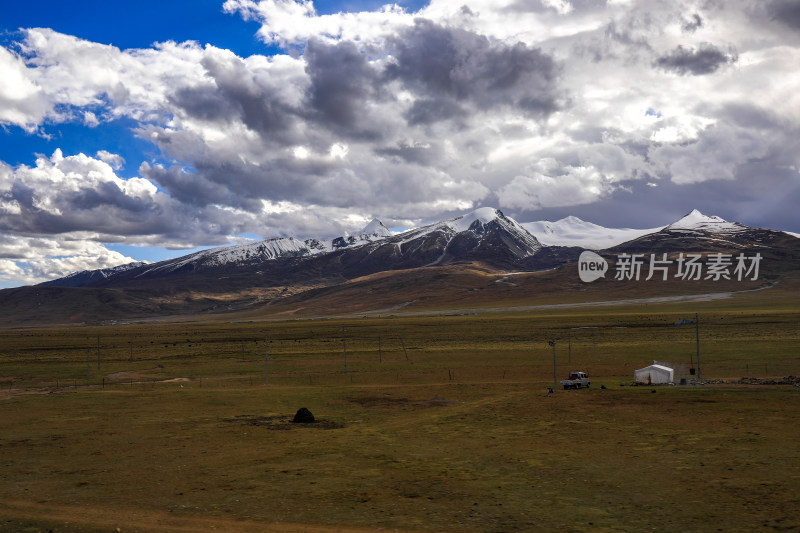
(532, 106)
(70, 194)
(539, 190)
(289, 23)
(115, 161)
(63, 195)
(33, 259)
(21, 101)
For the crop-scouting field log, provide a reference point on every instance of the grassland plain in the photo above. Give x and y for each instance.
(438, 423)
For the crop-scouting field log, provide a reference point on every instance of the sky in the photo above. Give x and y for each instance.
(143, 130)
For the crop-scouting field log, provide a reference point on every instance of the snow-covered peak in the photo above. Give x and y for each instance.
(84, 277)
(476, 222)
(375, 229)
(572, 231)
(268, 249)
(253, 251)
(694, 218)
(697, 221)
(484, 214)
(575, 221)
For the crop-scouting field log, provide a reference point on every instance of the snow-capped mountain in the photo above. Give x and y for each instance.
(696, 232)
(242, 253)
(375, 229)
(266, 250)
(357, 271)
(87, 277)
(485, 235)
(572, 231)
(697, 221)
(473, 231)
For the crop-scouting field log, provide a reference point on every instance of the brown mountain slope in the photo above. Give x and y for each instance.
(475, 286)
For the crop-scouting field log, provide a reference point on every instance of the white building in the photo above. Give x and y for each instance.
(653, 375)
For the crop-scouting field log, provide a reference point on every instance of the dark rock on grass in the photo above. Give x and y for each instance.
(303, 416)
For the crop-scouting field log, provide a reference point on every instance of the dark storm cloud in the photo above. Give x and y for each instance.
(431, 110)
(418, 154)
(107, 196)
(236, 95)
(749, 116)
(241, 185)
(186, 187)
(244, 185)
(441, 63)
(233, 184)
(205, 103)
(342, 81)
(706, 59)
(786, 12)
(102, 208)
(694, 23)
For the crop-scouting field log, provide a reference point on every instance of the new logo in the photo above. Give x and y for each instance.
(591, 266)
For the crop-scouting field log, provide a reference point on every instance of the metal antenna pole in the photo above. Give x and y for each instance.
(569, 350)
(404, 347)
(555, 380)
(344, 349)
(697, 339)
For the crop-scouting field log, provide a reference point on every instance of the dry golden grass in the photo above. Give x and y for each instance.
(449, 427)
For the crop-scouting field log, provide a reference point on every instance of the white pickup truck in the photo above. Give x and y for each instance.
(577, 380)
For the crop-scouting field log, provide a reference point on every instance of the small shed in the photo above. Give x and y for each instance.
(653, 375)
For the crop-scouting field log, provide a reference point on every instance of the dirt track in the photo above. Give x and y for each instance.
(133, 520)
(705, 297)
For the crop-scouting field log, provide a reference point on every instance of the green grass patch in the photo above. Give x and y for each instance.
(440, 423)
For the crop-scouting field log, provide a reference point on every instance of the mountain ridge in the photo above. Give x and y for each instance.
(463, 261)
(523, 239)
(572, 231)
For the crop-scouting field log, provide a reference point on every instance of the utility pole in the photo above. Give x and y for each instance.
(697, 340)
(380, 352)
(569, 349)
(98, 352)
(266, 359)
(344, 349)
(555, 380)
